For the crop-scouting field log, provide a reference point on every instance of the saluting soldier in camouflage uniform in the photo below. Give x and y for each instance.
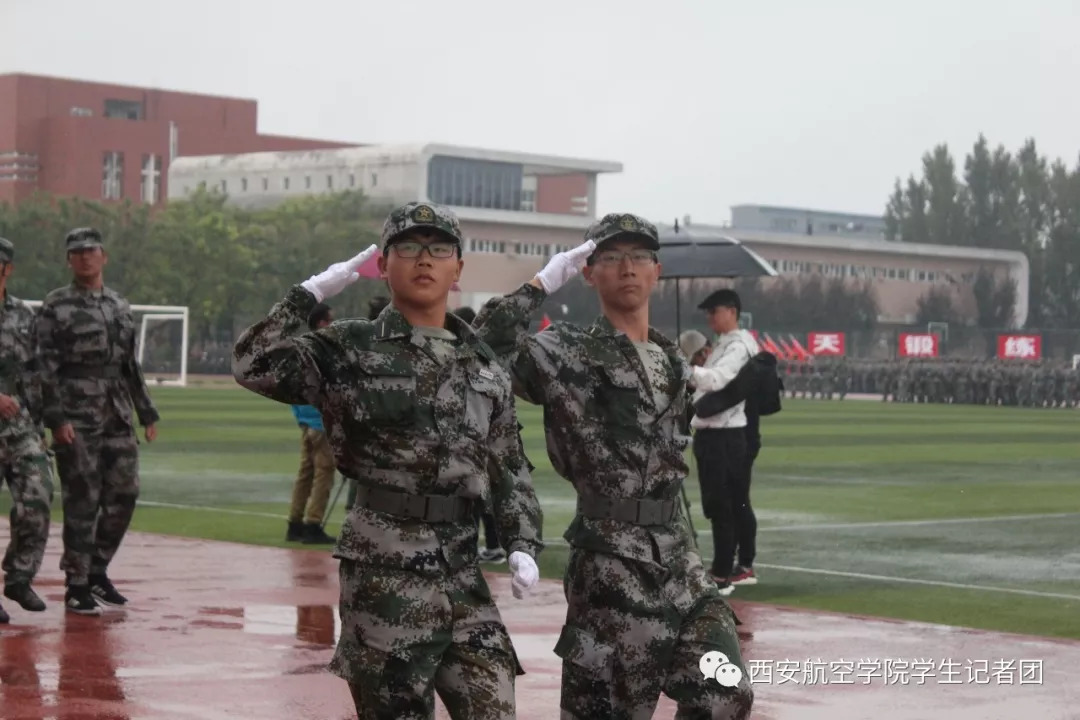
(24, 463)
(642, 610)
(86, 334)
(420, 413)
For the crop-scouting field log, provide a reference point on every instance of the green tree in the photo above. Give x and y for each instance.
(936, 305)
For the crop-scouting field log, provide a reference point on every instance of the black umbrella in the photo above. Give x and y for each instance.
(704, 252)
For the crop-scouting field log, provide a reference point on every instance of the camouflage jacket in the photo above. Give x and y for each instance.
(398, 418)
(83, 332)
(19, 368)
(603, 431)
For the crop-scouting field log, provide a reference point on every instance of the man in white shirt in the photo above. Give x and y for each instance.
(720, 440)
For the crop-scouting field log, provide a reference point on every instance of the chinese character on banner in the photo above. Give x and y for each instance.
(918, 345)
(825, 343)
(1019, 347)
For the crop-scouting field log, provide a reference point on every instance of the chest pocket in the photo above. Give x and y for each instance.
(481, 393)
(387, 397)
(616, 396)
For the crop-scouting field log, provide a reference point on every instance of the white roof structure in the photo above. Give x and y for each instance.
(385, 155)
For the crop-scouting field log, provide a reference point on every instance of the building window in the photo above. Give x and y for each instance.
(224, 186)
(329, 182)
(285, 183)
(123, 109)
(151, 179)
(266, 184)
(352, 180)
(243, 184)
(465, 182)
(374, 179)
(112, 176)
(307, 182)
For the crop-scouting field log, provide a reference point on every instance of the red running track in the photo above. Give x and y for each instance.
(218, 630)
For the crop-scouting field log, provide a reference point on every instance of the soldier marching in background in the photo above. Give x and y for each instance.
(86, 335)
(24, 463)
(419, 411)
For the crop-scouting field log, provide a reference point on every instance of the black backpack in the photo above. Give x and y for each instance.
(758, 384)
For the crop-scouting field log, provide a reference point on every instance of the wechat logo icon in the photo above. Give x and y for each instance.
(715, 665)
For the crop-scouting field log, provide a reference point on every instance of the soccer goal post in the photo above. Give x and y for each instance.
(161, 342)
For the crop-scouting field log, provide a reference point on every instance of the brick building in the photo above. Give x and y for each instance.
(110, 142)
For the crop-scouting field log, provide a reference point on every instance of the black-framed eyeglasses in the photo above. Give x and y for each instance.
(410, 249)
(610, 258)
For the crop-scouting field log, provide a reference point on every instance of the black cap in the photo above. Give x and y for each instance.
(725, 297)
(7, 250)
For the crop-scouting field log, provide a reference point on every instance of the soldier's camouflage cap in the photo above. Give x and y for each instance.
(623, 226)
(7, 250)
(421, 215)
(81, 238)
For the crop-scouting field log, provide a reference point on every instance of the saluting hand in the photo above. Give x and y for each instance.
(564, 266)
(338, 276)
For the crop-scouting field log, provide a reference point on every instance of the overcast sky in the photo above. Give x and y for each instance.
(707, 103)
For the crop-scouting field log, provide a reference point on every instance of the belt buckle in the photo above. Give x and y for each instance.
(415, 506)
(435, 510)
(650, 512)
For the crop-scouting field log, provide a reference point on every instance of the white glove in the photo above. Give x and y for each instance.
(564, 266)
(526, 574)
(337, 277)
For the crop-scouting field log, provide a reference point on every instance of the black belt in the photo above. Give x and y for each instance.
(100, 372)
(639, 511)
(429, 508)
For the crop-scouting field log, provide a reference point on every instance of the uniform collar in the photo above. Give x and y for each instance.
(392, 325)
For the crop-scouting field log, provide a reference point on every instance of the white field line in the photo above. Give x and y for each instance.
(914, 581)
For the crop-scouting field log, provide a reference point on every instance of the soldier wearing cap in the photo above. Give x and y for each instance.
(642, 611)
(24, 462)
(420, 413)
(86, 334)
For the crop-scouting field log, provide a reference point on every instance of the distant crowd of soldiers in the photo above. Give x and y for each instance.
(1039, 383)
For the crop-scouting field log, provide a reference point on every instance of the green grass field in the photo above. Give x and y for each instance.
(957, 515)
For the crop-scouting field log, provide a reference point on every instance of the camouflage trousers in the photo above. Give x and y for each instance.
(405, 635)
(634, 630)
(99, 482)
(28, 472)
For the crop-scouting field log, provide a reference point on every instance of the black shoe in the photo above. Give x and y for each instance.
(79, 600)
(315, 535)
(23, 594)
(4, 617)
(295, 532)
(105, 593)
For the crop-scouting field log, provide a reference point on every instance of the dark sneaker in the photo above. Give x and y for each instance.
(315, 535)
(105, 593)
(491, 555)
(79, 600)
(295, 533)
(722, 584)
(742, 575)
(23, 594)
(4, 617)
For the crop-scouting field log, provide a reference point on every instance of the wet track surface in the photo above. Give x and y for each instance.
(217, 630)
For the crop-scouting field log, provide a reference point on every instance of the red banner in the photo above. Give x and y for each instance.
(825, 343)
(918, 345)
(1019, 347)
